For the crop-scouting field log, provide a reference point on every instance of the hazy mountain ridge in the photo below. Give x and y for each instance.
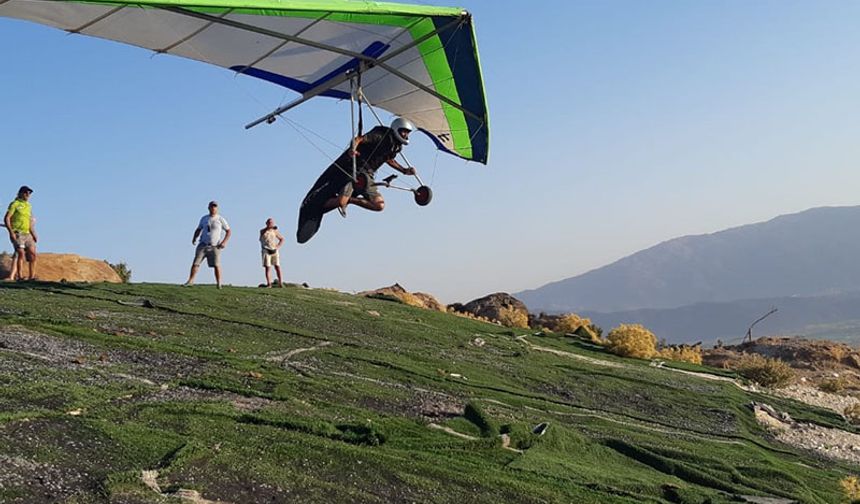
(804, 254)
(806, 316)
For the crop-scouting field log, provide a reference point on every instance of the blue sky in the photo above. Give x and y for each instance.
(615, 125)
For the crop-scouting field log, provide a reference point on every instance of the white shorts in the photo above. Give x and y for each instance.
(271, 258)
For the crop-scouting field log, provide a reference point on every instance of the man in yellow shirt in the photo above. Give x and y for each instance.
(22, 232)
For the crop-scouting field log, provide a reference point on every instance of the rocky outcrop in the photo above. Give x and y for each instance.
(494, 306)
(430, 302)
(66, 268)
(418, 299)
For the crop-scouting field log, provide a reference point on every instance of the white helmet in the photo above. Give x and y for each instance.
(401, 124)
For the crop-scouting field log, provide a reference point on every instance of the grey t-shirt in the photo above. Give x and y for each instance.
(212, 227)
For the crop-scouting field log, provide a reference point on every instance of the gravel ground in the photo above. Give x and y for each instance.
(815, 397)
(827, 442)
(67, 353)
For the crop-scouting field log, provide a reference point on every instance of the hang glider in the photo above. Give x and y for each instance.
(417, 62)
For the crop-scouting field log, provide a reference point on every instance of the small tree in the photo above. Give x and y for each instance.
(632, 340)
(122, 270)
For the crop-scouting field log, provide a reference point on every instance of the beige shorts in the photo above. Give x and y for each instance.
(273, 259)
(23, 241)
(210, 252)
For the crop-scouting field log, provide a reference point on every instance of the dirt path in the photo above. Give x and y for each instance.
(285, 356)
(562, 353)
(506, 440)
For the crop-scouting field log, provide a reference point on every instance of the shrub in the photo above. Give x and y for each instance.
(511, 317)
(851, 489)
(122, 270)
(632, 340)
(852, 414)
(570, 323)
(683, 353)
(833, 385)
(588, 333)
(767, 372)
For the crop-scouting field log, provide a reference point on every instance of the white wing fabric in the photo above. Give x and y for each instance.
(417, 62)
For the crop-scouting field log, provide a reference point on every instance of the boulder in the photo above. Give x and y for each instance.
(430, 302)
(492, 306)
(418, 299)
(66, 267)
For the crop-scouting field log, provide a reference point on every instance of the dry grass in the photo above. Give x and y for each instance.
(765, 371)
(683, 353)
(833, 385)
(852, 413)
(851, 489)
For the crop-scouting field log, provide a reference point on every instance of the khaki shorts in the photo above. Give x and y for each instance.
(371, 192)
(210, 252)
(271, 259)
(24, 241)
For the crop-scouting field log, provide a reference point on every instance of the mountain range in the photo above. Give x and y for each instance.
(806, 254)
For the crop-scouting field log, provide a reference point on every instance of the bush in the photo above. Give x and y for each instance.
(851, 489)
(833, 385)
(767, 372)
(632, 340)
(122, 270)
(570, 323)
(682, 353)
(511, 317)
(852, 414)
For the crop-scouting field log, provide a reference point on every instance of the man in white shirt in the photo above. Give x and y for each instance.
(271, 241)
(209, 231)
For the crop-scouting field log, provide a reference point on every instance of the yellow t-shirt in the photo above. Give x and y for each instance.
(21, 212)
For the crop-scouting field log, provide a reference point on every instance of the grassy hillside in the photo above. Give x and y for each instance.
(251, 395)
